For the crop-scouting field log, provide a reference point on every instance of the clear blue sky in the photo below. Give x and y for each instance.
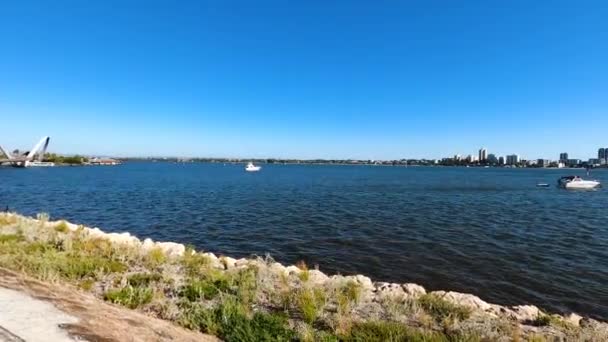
(329, 79)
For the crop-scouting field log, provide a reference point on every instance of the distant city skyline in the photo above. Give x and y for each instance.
(316, 79)
(483, 156)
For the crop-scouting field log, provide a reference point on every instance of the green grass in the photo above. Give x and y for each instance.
(542, 320)
(129, 296)
(310, 304)
(62, 227)
(351, 291)
(156, 257)
(6, 220)
(441, 309)
(230, 322)
(78, 267)
(144, 279)
(49, 260)
(195, 265)
(86, 284)
(383, 331)
(536, 338)
(10, 238)
(304, 274)
(242, 284)
(95, 246)
(204, 289)
(545, 320)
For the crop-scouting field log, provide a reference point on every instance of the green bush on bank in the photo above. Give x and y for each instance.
(129, 296)
(441, 309)
(143, 279)
(231, 322)
(72, 160)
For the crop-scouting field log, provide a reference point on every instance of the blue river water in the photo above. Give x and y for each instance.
(485, 231)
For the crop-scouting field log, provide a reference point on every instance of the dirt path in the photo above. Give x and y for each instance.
(34, 311)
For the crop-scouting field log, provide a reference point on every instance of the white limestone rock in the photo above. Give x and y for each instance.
(464, 299)
(317, 277)
(525, 312)
(243, 263)
(292, 270)
(172, 249)
(278, 268)
(147, 245)
(122, 238)
(229, 263)
(365, 282)
(384, 290)
(210, 256)
(413, 290)
(95, 233)
(214, 261)
(574, 319)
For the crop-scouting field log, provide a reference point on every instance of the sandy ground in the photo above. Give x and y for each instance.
(34, 311)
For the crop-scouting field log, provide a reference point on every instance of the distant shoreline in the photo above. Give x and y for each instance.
(337, 163)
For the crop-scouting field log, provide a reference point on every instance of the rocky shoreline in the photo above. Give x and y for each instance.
(347, 301)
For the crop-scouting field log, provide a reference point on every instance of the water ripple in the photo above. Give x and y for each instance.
(484, 231)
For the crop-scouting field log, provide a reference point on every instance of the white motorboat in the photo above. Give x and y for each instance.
(252, 168)
(34, 163)
(576, 182)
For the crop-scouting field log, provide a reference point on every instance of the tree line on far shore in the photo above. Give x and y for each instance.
(71, 160)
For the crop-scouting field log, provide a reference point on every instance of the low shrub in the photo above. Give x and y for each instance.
(62, 227)
(195, 264)
(544, 320)
(205, 289)
(10, 238)
(86, 284)
(310, 303)
(129, 296)
(440, 308)
(143, 279)
(230, 322)
(304, 274)
(156, 257)
(6, 220)
(384, 331)
(244, 284)
(381, 332)
(78, 267)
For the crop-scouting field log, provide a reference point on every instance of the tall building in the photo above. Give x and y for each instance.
(573, 162)
(483, 155)
(492, 159)
(501, 160)
(543, 162)
(563, 157)
(512, 159)
(602, 155)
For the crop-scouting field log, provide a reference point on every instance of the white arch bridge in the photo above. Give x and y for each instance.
(32, 158)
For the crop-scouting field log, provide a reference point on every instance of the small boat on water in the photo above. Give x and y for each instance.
(542, 185)
(576, 182)
(35, 163)
(252, 168)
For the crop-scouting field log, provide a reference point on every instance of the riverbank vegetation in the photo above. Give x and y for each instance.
(65, 160)
(261, 300)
